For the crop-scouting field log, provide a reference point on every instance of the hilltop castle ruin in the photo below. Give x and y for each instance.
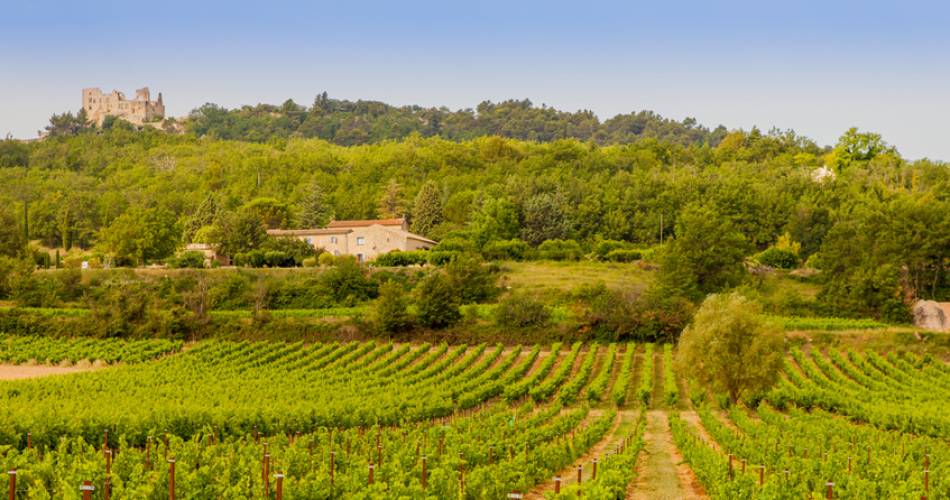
(137, 111)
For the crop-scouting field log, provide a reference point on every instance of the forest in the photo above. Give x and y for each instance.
(507, 181)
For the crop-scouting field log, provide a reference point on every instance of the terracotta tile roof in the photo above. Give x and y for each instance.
(306, 232)
(365, 223)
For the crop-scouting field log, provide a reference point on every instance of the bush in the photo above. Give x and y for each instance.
(296, 249)
(520, 310)
(471, 279)
(190, 259)
(778, 258)
(560, 250)
(454, 244)
(605, 247)
(505, 250)
(441, 258)
(310, 262)
(265, 258)
(622, 255)
(347, 284)
(391, 311)
(326, 259)
(437, 302)
(399, 259)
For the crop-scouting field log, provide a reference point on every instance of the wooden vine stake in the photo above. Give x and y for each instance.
(12, 474)
(87, 488)
(730, 466)
(148, 453)
(267, 474)
(831, 487)
(280, 486)
(593, 474)
(557, 485)
(424, 482)
(332, 456)
(171, 479)
(761, 475)
(370, 480)
(580, 474)
(106, 489)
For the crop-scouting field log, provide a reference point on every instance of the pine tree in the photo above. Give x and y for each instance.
(313, 211)
(391, 204)
(427, 211)
(205, 215)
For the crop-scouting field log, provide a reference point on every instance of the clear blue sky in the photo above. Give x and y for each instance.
(818, 67)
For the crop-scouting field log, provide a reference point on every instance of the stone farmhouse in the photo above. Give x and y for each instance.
(364, 239)
(136, 111)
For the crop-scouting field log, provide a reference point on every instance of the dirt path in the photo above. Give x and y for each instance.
(661, 472)
(692, 418)
(16, 372)
(569, 474)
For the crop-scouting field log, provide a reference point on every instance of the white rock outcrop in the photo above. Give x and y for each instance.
(932, 315)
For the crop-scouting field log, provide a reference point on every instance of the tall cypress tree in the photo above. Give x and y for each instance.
(427, 211)
(314, 211)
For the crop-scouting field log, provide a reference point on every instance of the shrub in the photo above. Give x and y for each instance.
(778, 258)
(520, 310)
(436, 301)
(454, 244)
(470, 278)
(391, 311)
(310, 262)
(294, 248)
(622, 255)
(326, 259)
(505, 250)
(398, 258)
(560, 250)
(190, 259)
(441, 258)
(347, 284)
(605, 247)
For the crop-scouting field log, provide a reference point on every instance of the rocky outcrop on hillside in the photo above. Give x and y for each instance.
(932, 315)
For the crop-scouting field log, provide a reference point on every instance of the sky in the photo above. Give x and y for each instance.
(817, 67)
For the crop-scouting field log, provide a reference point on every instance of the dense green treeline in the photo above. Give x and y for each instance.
(363, 122)
(876, 226)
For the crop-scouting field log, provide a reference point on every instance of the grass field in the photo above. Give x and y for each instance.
(547, 276)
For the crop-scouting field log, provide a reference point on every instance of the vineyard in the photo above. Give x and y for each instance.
(225, 419)
(359, 419)
(838, 425)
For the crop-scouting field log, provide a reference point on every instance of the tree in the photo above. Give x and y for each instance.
(730, 347)
(437, 301)
(204, 216)
(391, 203)
(391, 311)
(854, 146)
(313, 211)
(12, 240)
(239, 232)
(543, 220)
(68, 124)
(706, 256)
(495, 219)
(427, 209)
(142, 235)
(272, 212)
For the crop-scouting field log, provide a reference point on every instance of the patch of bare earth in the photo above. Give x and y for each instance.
(16, 372)
(662, 474)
